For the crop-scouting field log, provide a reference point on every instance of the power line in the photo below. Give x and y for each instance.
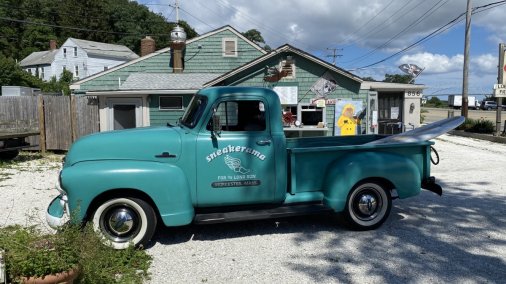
(427, 13)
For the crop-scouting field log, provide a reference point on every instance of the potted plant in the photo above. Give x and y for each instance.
(34, 257)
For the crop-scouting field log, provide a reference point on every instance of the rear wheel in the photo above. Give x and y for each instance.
(122, 221)
(368, 206)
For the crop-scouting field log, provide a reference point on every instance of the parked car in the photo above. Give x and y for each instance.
(488, 105)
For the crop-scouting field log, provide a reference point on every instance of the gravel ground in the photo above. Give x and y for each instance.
(458, 238)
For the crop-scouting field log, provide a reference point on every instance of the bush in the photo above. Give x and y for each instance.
(29, 252)
(477, 126)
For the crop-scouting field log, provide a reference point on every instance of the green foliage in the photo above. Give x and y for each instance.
(368, 79)
(111, 21)
(435, 102)
(11, 74)
(31, 253)
(254, 35)
(477, 126)
(398, 78)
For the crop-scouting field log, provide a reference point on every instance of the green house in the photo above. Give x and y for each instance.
(314, 93)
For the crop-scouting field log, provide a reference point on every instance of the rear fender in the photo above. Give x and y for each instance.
(165, 184)
(343, 174)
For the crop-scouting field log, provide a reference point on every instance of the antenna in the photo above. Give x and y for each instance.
(177, 11)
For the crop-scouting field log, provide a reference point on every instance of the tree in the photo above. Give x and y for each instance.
(368, 79)
(398, 78)
(254, 35)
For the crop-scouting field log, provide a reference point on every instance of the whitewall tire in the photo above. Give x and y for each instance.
(122, 221)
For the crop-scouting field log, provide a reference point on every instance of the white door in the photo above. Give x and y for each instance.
(123, 113)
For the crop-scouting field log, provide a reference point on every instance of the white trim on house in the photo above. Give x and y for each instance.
(284, 48)
(105, 109)
(229, 53)
(141, 92)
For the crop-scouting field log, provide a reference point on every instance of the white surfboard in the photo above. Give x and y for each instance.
(423, 133)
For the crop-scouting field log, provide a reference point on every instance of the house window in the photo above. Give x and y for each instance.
(229, 47)
(64, 67)
(75, 51)
(76, 71)
(64, 52)
(287, 67)
(106, 68)
(29, 70)
(171, 103)
(42, 72)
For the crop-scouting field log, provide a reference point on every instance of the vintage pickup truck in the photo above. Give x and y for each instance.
(228, 160)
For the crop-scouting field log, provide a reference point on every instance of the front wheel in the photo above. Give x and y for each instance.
(122, 221)
(368, 206)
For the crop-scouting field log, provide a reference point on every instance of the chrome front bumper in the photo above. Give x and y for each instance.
(56, 214)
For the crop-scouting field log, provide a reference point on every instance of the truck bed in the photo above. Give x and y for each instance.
(309, 158)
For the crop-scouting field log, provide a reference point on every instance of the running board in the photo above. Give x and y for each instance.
(245, 215)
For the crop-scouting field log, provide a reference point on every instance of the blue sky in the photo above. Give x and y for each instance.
(365, 32)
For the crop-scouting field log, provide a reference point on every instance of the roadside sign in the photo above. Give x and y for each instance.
(500, 92)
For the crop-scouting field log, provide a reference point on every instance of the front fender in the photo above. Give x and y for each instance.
(343, 174)
(165, 184)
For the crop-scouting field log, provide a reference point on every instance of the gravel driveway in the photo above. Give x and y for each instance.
(458, 238)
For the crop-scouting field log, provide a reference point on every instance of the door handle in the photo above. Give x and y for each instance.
(264, 142)
(165, 155)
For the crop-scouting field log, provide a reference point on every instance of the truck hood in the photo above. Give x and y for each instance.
(131, 144)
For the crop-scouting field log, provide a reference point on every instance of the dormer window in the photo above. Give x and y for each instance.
(229, 47)
(287, 67)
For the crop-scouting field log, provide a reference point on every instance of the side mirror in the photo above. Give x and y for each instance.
(216, 125)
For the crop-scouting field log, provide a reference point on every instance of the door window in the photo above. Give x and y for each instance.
(241, 116)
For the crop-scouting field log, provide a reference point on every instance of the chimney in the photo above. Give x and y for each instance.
(177, 45)
(147, 46)
(52, 44)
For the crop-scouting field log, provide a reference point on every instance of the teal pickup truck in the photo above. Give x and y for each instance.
(228, 160)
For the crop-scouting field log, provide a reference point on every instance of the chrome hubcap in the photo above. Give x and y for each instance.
(367, 204)
(121, 221)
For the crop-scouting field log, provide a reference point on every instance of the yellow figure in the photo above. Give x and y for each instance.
(346, 122)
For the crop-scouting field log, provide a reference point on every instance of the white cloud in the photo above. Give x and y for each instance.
(486, 63)
(434, 63)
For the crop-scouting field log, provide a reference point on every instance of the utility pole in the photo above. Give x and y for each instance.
(465, 99)
(334, 54)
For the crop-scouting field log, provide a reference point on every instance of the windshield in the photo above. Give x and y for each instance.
(194, 111)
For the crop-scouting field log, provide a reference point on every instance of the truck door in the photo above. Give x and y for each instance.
(236, 166)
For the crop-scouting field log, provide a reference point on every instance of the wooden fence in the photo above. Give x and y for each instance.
(60, 120)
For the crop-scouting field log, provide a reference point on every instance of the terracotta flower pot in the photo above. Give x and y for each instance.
(66, 277)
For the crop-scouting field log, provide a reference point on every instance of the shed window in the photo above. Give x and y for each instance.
(229, 47)
(171, 103)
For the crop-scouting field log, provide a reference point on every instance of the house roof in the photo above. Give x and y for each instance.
(75, 85)
(373, 85)
(166, 81)
(105, 49)
(39, 58)
(284, 48)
